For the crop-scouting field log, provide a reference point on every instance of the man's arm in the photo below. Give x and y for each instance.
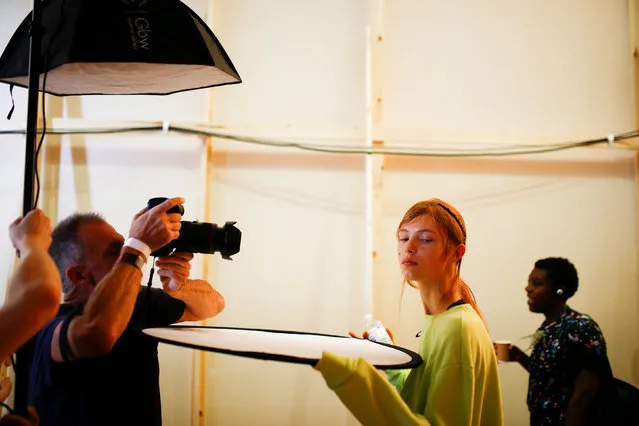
(105, 315)
(109, 308)
(585, 389)
(202, 301)
(35, 287)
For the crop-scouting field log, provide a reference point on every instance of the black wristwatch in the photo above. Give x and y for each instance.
(133, 259)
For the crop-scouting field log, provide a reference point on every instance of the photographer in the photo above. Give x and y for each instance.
(92, 364)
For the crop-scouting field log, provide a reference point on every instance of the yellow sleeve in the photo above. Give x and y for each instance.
(451, 396)
(366, 392)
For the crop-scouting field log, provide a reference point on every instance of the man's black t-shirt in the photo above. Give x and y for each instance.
(120, 388)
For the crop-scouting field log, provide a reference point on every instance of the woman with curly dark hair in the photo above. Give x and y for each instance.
(568, 365)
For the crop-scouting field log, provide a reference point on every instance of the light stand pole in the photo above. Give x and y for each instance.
(23, 358)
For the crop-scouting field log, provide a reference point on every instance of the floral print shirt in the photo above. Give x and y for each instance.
(563, 348)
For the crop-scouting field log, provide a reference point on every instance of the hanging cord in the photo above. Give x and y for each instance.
(13, 103)
(44, 101)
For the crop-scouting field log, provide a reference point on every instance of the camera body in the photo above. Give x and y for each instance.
(200, 237)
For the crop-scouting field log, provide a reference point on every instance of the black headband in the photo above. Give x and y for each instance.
(456, 219)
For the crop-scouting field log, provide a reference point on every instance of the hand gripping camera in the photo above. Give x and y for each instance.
(200, 237)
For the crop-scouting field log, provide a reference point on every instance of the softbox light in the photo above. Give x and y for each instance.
(89, 47)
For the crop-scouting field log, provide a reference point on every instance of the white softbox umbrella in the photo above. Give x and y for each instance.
(123, 47)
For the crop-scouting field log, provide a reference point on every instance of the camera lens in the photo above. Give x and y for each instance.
(208, 238)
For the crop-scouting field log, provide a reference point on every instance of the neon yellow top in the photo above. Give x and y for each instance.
(456, 385)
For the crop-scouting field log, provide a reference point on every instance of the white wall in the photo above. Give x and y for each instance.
(506, 71)
(492, 72)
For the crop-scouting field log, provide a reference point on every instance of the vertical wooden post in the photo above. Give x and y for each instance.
(633, 22)
(199, 376)
(49, 161)
(78, 147)
(374, 163)
(199, 372)
(633, 12)
(634, 51)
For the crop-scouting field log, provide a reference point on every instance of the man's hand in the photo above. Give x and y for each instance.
(174, 270)
(32, 231)
(201, 300)
(155, 227)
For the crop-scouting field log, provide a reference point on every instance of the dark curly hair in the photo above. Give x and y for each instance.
(561, 273)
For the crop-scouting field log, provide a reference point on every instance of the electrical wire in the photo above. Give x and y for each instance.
(7, 407)
(414, 151)
(44, 103)
(505, 150)
(13, 365)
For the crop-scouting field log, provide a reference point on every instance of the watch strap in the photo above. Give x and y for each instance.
(132, 259)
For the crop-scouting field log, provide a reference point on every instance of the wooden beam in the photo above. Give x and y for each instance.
(374, 164)
(598, 163)
(79, 158)
(199, 363)
(633, 23)
(199, 360)
(634, 52)
(49, 162)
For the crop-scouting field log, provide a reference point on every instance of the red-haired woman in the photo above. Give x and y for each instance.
(458, 382)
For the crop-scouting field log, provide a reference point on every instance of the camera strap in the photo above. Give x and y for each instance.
(149, 284)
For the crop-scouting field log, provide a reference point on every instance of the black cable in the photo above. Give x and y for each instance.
(44, 130)
(13, 365)
(89, 131)
(149, 284)
(44, 101)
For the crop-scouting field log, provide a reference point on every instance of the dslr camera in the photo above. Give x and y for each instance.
(200, 237)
